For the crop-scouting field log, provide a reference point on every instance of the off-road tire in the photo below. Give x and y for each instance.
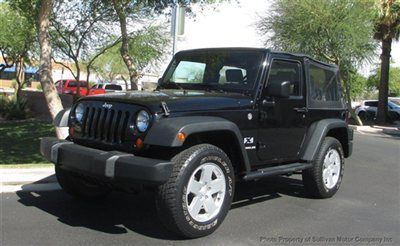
(171, 198)
(363, 116)
(313, 178)
(79, 188)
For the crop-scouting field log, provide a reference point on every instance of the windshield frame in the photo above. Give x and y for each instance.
(162, 84)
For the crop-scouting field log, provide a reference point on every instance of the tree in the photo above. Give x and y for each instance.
(53, 100)
(387, 28)
(145, 47)
(359, 86)
(80, 34)
(135, 10)
(394, 80)
(17, 36)
(334, 31)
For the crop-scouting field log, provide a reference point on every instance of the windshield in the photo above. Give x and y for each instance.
(392, 104)
(215, 69)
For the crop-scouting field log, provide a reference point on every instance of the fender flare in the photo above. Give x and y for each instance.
(164, 132)
(61, 119)
(316, 134)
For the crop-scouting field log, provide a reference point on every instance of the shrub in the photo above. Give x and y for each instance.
(13, 109)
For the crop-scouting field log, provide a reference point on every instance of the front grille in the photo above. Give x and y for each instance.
(107, 126)
(104, 124)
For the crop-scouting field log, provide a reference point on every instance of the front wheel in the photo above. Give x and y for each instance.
(324, 178)
(198, 195)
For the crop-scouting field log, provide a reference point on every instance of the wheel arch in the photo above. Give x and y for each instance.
(319, 130)
(201, 129)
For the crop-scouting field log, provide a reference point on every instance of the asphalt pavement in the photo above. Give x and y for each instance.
(275, 211)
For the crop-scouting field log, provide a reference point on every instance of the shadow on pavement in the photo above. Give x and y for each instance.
(121, 212)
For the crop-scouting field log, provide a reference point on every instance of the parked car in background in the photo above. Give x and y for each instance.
(367, 110)
(395, 100)
(69, 86)
(102, 88)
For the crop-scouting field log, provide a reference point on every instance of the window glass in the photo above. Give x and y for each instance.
(189, 72)
(228, 70)
(113, 87)
(372, 104)
(323, 84)
(227, 75)
(286, 71)
(74, 83)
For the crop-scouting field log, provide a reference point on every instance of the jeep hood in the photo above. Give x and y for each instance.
(178, 100)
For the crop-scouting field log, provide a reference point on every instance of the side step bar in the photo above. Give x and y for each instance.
(272, 171)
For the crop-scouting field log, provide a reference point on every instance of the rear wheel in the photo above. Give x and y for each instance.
(198, 195)
(363, 116)
(324, 179)
(78, 187)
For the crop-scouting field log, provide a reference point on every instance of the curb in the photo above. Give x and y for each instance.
(18, 176)
(374, 129)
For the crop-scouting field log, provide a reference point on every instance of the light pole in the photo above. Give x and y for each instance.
(177, 24)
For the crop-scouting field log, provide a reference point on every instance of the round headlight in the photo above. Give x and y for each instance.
(142, 120)
(79, 111)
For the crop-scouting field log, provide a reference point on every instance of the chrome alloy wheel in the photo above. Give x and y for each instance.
(205, 192)
(331, 168)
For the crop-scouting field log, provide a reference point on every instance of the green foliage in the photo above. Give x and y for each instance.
(358, 86)
(387, 19)
(335, 31)
(394, 80)
(17, 33)
(145, 47)
(13, 109)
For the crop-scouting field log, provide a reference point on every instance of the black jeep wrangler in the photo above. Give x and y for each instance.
(216, 117)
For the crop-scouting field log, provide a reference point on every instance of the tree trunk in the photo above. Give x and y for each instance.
(20, 77)
(78, 78)
(53, 100)
(348, 103)
(384, 82)
(125, 44)
(126, 82)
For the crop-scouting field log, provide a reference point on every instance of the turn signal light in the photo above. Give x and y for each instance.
(181, 136)
(139, 143)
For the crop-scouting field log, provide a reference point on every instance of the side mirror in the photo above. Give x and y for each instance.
(278, 89)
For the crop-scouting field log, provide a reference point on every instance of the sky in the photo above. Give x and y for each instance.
(233, 25)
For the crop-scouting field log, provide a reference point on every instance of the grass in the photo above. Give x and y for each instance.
(20, 142)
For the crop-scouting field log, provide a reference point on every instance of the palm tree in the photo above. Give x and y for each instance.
(387, 28)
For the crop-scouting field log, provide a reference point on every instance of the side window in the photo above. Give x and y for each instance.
(189, 72)
(282, 70)
(371, 104)
(113, 87)
(323, 84)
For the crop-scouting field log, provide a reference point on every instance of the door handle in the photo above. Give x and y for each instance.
(301, 110)
(268, 103)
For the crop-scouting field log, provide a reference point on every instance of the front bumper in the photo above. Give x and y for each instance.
(111, 165)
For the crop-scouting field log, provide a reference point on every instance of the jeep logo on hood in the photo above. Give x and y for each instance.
(107, 105)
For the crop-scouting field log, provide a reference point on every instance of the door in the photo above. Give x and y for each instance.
(282, 121)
